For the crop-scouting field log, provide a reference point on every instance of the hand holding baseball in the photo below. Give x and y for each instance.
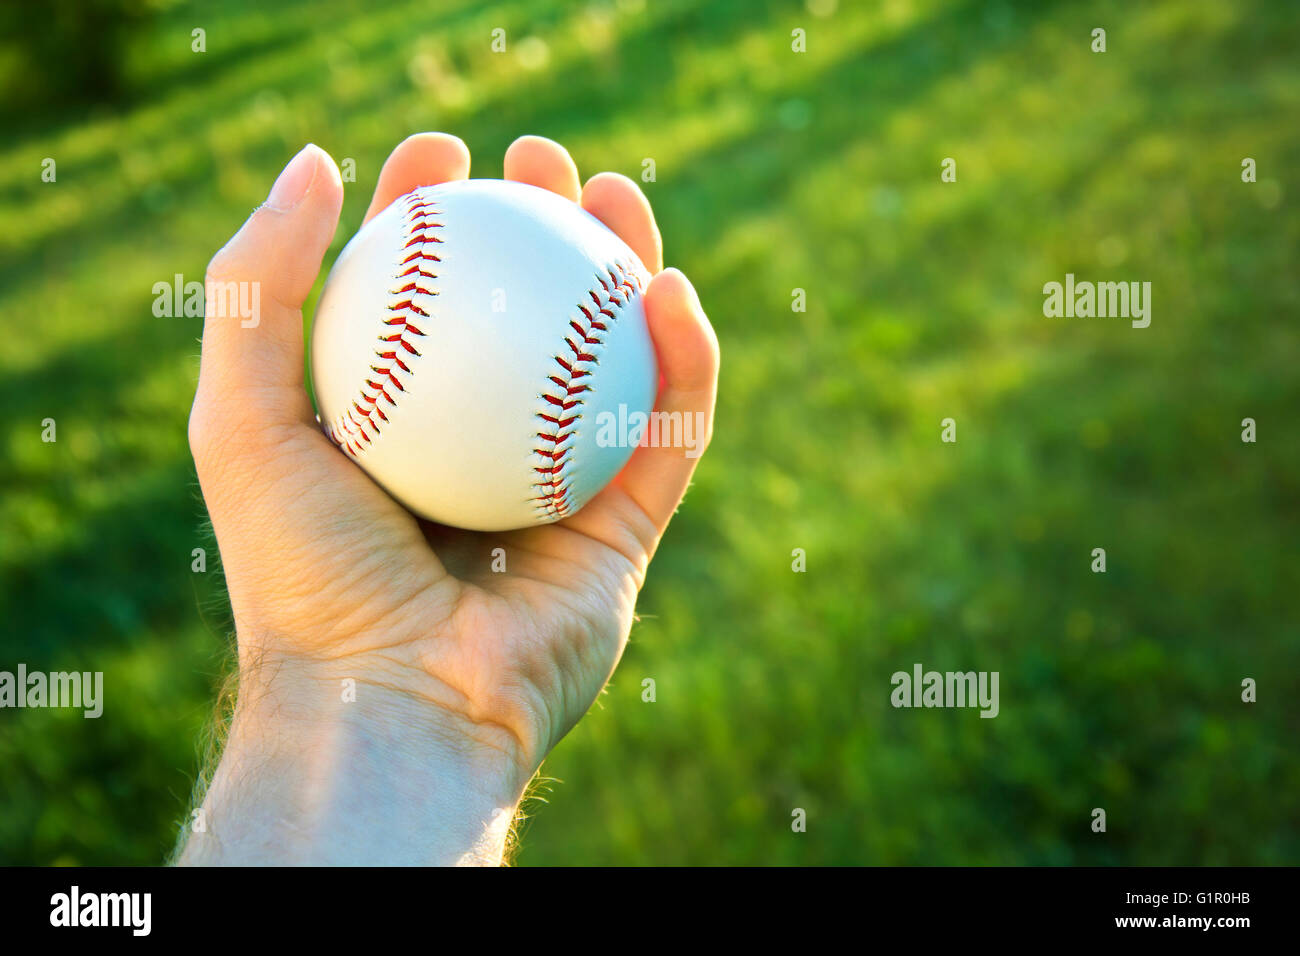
(332, 581)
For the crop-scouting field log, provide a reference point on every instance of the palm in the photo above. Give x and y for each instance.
(506, 623)
(553, 623)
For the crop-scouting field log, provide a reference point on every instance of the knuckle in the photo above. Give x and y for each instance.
(221, 267)
(195, 431)
(210, 436)
(203, 434)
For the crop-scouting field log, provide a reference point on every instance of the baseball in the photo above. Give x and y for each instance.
(468, 340)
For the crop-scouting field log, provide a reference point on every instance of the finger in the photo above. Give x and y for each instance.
(619, 203)
(542, 162)
(424, 159)
(252, 329)
(687, 350)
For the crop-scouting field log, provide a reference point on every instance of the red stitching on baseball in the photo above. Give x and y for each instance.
(364, 409)
(554, 484)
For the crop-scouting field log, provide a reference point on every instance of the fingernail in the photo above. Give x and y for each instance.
(295, 182)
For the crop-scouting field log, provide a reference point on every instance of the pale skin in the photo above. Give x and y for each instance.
(464, 678)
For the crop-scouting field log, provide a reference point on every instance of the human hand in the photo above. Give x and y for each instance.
(330, 579)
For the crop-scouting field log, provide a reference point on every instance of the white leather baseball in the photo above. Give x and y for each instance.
(466, 343)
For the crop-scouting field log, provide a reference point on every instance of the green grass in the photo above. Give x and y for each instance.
(776, 171)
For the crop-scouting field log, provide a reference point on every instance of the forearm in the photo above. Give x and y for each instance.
(307, 778)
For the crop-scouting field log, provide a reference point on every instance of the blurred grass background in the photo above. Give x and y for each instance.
(776, 171)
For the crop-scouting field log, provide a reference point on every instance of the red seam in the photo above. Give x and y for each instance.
(554, 483)
(350, 432)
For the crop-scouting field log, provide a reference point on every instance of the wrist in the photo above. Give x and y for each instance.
(326, 767)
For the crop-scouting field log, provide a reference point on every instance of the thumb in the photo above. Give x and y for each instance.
(252, 355)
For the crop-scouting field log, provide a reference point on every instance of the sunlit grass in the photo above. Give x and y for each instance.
(775, 171)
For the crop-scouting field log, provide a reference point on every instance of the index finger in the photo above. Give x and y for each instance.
(424, 159)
